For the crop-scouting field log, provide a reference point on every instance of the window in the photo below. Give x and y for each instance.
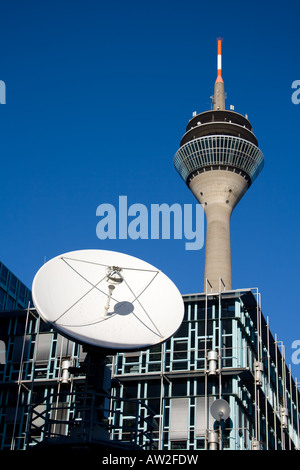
(227, 327)
(204, 419)
(228, 310)
(2, 299)
(22, 292)
(179, 388)
(153, 387)
(13, 284)
(153, 393)
(4, 274)
(155, 353)
(21, 348)
(131, 390)
(2, 352)
(43, 347)
(179, 416)
(10, 303)
(200, 310)
(132, 361)
(130, 393)
(180, 350)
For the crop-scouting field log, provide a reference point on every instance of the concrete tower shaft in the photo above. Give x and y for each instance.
(219, 192)
(218, 159)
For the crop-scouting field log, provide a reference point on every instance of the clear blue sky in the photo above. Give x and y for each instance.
(98, 97)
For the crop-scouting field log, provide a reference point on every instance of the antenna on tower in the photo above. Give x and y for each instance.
(219, 92)
(219, 60)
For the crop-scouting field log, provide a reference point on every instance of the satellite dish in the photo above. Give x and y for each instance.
(107, 299)
(220, 409)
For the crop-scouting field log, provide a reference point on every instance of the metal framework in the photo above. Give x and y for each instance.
(85, 418)
(224, 349)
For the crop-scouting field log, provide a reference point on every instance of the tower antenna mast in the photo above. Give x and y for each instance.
(219, 93)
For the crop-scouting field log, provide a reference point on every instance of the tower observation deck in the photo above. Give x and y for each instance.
(218, 159)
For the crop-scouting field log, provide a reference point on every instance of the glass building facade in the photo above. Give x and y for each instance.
(13, 293)
(223, 350)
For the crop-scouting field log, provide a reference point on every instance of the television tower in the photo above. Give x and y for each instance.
(218, 159)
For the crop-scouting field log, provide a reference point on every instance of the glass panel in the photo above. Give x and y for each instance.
(179, 419)
(179, 387)
(22, 292)
(43, 349)
(10, 303)
(204, 419)
(4, 274)
(180, 349)
(13, 284)
(153, 388)
(19, 343)
(2, 299)
(2, 352)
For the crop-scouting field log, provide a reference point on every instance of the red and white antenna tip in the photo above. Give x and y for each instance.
(219, 61)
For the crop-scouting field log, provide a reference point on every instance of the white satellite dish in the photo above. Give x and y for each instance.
(220, 409)
(107, 299)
